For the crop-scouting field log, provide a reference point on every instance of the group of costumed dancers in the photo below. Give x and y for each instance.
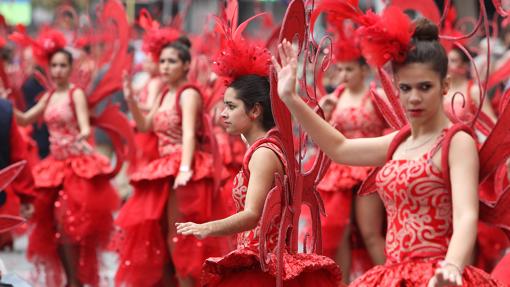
(372, 157)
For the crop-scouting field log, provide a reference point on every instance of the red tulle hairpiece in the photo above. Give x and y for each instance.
(383, 38)
(48, 42)
(155, 38)
(346, 43)
(239, 56)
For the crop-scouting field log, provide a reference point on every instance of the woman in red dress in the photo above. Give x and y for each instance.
(75, 200)
(431, 219)
(248, 112)
(464, 107)
(350, 110)
(177, 186)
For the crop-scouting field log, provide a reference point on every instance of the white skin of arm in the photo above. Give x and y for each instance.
(359, 152)
(190, 102)
(82, 113)
(464, 167)
(143, 122)
(263, 165)
(32, 115)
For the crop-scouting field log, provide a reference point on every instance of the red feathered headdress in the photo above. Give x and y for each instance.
(346, 43)
(48, 42)
(155, 37)
(383, 37)
(239, 56)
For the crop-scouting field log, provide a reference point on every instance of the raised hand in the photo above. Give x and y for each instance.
(287, 71)
(126, 86)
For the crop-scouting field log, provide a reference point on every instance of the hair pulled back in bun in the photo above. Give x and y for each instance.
(425, 30)
(426, 48)
(183, 46)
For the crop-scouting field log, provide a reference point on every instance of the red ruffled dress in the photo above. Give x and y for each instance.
(147, 220)
(75, 199)
(420, 225)
(336, 188)
(242, 267)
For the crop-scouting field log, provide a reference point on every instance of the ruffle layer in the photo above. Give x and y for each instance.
(168, 166)
(341, 177)
(216, 270)
(78, 212)
(418, 273)
(50, 172)
(148, 226)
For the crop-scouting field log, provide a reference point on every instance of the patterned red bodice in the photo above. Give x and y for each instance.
(167, 125)
(63, 129)
(250, 239)
(418, 206)
(357, 122)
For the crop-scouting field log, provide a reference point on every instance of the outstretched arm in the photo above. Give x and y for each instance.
(29, 117)
(361, 152)
(190, 102)
(263, 165)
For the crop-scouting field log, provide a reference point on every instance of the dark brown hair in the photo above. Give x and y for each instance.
(253, 89)
(426, 49)
(68, 55)
(182, 45)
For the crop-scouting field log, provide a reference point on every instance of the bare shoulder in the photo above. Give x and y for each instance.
(463, 146)
(78, 93)
(190, 96)
(264, 159)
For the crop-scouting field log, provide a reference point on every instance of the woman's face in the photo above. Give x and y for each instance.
(60, 68)
(351, 74)
(171, 67)
(236, 119)
(421, 91)
(456, 67)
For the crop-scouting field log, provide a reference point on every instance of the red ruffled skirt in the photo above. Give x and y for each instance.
(336, 190)
(418, 273)
(147, 150)
(147, 222)
(74, 206)
(242, 268)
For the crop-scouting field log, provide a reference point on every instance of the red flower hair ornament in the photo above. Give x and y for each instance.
(47, 43)
(239, 56)
(155, 38)
(383, 38)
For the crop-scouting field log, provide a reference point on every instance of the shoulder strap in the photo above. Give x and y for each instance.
(71, 100)
(367, 97)
(397, 140)
(338, 91)
(271, 138)
(163, 93)
(445, 149)
(181, 90)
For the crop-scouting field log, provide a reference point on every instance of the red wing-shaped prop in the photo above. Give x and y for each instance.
(8, 174)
